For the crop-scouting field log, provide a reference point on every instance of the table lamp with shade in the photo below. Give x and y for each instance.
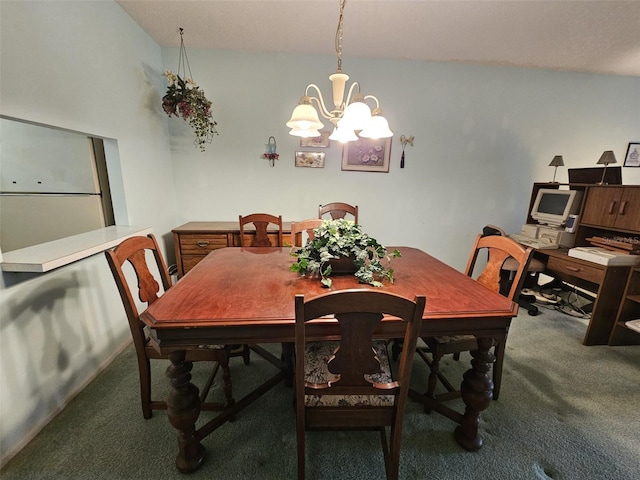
(606, 158)
(556, 162)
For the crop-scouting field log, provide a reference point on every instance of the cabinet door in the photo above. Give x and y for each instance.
(629, 210)
(601, 206)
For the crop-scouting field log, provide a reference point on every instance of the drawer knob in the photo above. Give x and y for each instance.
(202, 243)
(573, 269)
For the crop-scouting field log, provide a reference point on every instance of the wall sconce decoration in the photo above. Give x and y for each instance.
(606, 158)
(404, 141)
(556, 162)
(271, 154)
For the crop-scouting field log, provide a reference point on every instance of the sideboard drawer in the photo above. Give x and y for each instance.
(199, 244)
(576, 269)
(190, 261)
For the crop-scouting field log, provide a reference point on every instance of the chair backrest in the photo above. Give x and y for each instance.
(499, 248)
(134, 250)
(261, 222)
(358, 313)
(338, 210)
(298, 229)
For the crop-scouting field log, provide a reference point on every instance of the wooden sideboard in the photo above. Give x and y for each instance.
(194, 240)
(607, 211)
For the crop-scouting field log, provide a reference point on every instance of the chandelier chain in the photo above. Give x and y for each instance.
(339, 35)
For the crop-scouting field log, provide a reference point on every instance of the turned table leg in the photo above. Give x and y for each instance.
(183, 409)
(477, 392)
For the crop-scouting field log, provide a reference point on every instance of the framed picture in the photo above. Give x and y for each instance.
(632, 159)
(367, 155)
(316, 142)
(310, 159)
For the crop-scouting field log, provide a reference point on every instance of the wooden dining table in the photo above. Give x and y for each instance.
(246, 296)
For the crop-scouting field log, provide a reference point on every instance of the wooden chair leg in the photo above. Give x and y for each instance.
(246, 353)
(144, 370)
(436, 355)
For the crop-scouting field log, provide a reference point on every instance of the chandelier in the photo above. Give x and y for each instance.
(348, 116)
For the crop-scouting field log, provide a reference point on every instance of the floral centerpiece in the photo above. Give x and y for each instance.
(185, 99)
(340, 239)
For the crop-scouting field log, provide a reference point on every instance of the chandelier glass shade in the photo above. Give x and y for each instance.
(349, 114)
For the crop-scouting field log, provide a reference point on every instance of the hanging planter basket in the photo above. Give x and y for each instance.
(186, 100)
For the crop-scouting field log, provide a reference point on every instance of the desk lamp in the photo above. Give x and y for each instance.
(556, 162)
(606, 158)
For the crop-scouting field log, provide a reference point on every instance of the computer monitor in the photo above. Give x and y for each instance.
(553, 207)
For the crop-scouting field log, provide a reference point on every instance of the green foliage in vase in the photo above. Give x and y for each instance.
(341, 238)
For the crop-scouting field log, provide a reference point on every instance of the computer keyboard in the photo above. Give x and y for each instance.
(537, 243)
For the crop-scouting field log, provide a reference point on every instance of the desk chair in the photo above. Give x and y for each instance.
(261, 222)
(347, 384)
(136, 251)
(500, 249)
(299, 229)
(510, 266)
(338, 210)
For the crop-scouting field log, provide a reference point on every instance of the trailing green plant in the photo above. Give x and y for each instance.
(335, 239)
(185, 99)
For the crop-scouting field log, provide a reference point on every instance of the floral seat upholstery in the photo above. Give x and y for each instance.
(317, 355)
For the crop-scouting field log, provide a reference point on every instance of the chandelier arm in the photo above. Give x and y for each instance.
(319, 100)
(347, 100)
(374, 98)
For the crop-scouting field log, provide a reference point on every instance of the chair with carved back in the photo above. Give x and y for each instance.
(338, 210)
(348, 384)
(302, 228)
(500, 249)
(261, 223)
(131, 259)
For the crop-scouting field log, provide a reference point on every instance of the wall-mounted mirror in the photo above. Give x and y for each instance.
(53, 184)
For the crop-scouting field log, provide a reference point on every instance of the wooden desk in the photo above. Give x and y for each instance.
(607, 282)
(246, 295)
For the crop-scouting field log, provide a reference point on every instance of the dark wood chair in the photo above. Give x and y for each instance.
(510, 266)
(499, 249)
(137, 252)
(261, 222)
(348, 384)
(338, 210)
(299, 229)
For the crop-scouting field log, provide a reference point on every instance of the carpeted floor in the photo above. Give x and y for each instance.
(566, 411)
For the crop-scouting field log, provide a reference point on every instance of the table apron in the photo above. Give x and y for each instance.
(167, 340)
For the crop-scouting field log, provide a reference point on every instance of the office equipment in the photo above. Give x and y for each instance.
(538, 244)
(553, 206)
(604, 256)
(607, 212)
(572, 223)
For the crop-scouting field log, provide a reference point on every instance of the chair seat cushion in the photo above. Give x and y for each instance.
(454, 338)
(317, 355)
(212, 347)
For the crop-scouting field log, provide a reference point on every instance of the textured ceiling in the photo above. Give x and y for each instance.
(578, 35)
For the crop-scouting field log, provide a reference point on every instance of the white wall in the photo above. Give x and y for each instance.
(83, 66)
(483, 135)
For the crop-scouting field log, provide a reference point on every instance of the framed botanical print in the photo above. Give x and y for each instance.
(367, 155)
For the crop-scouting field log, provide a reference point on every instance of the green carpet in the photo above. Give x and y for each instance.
(565, 412)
